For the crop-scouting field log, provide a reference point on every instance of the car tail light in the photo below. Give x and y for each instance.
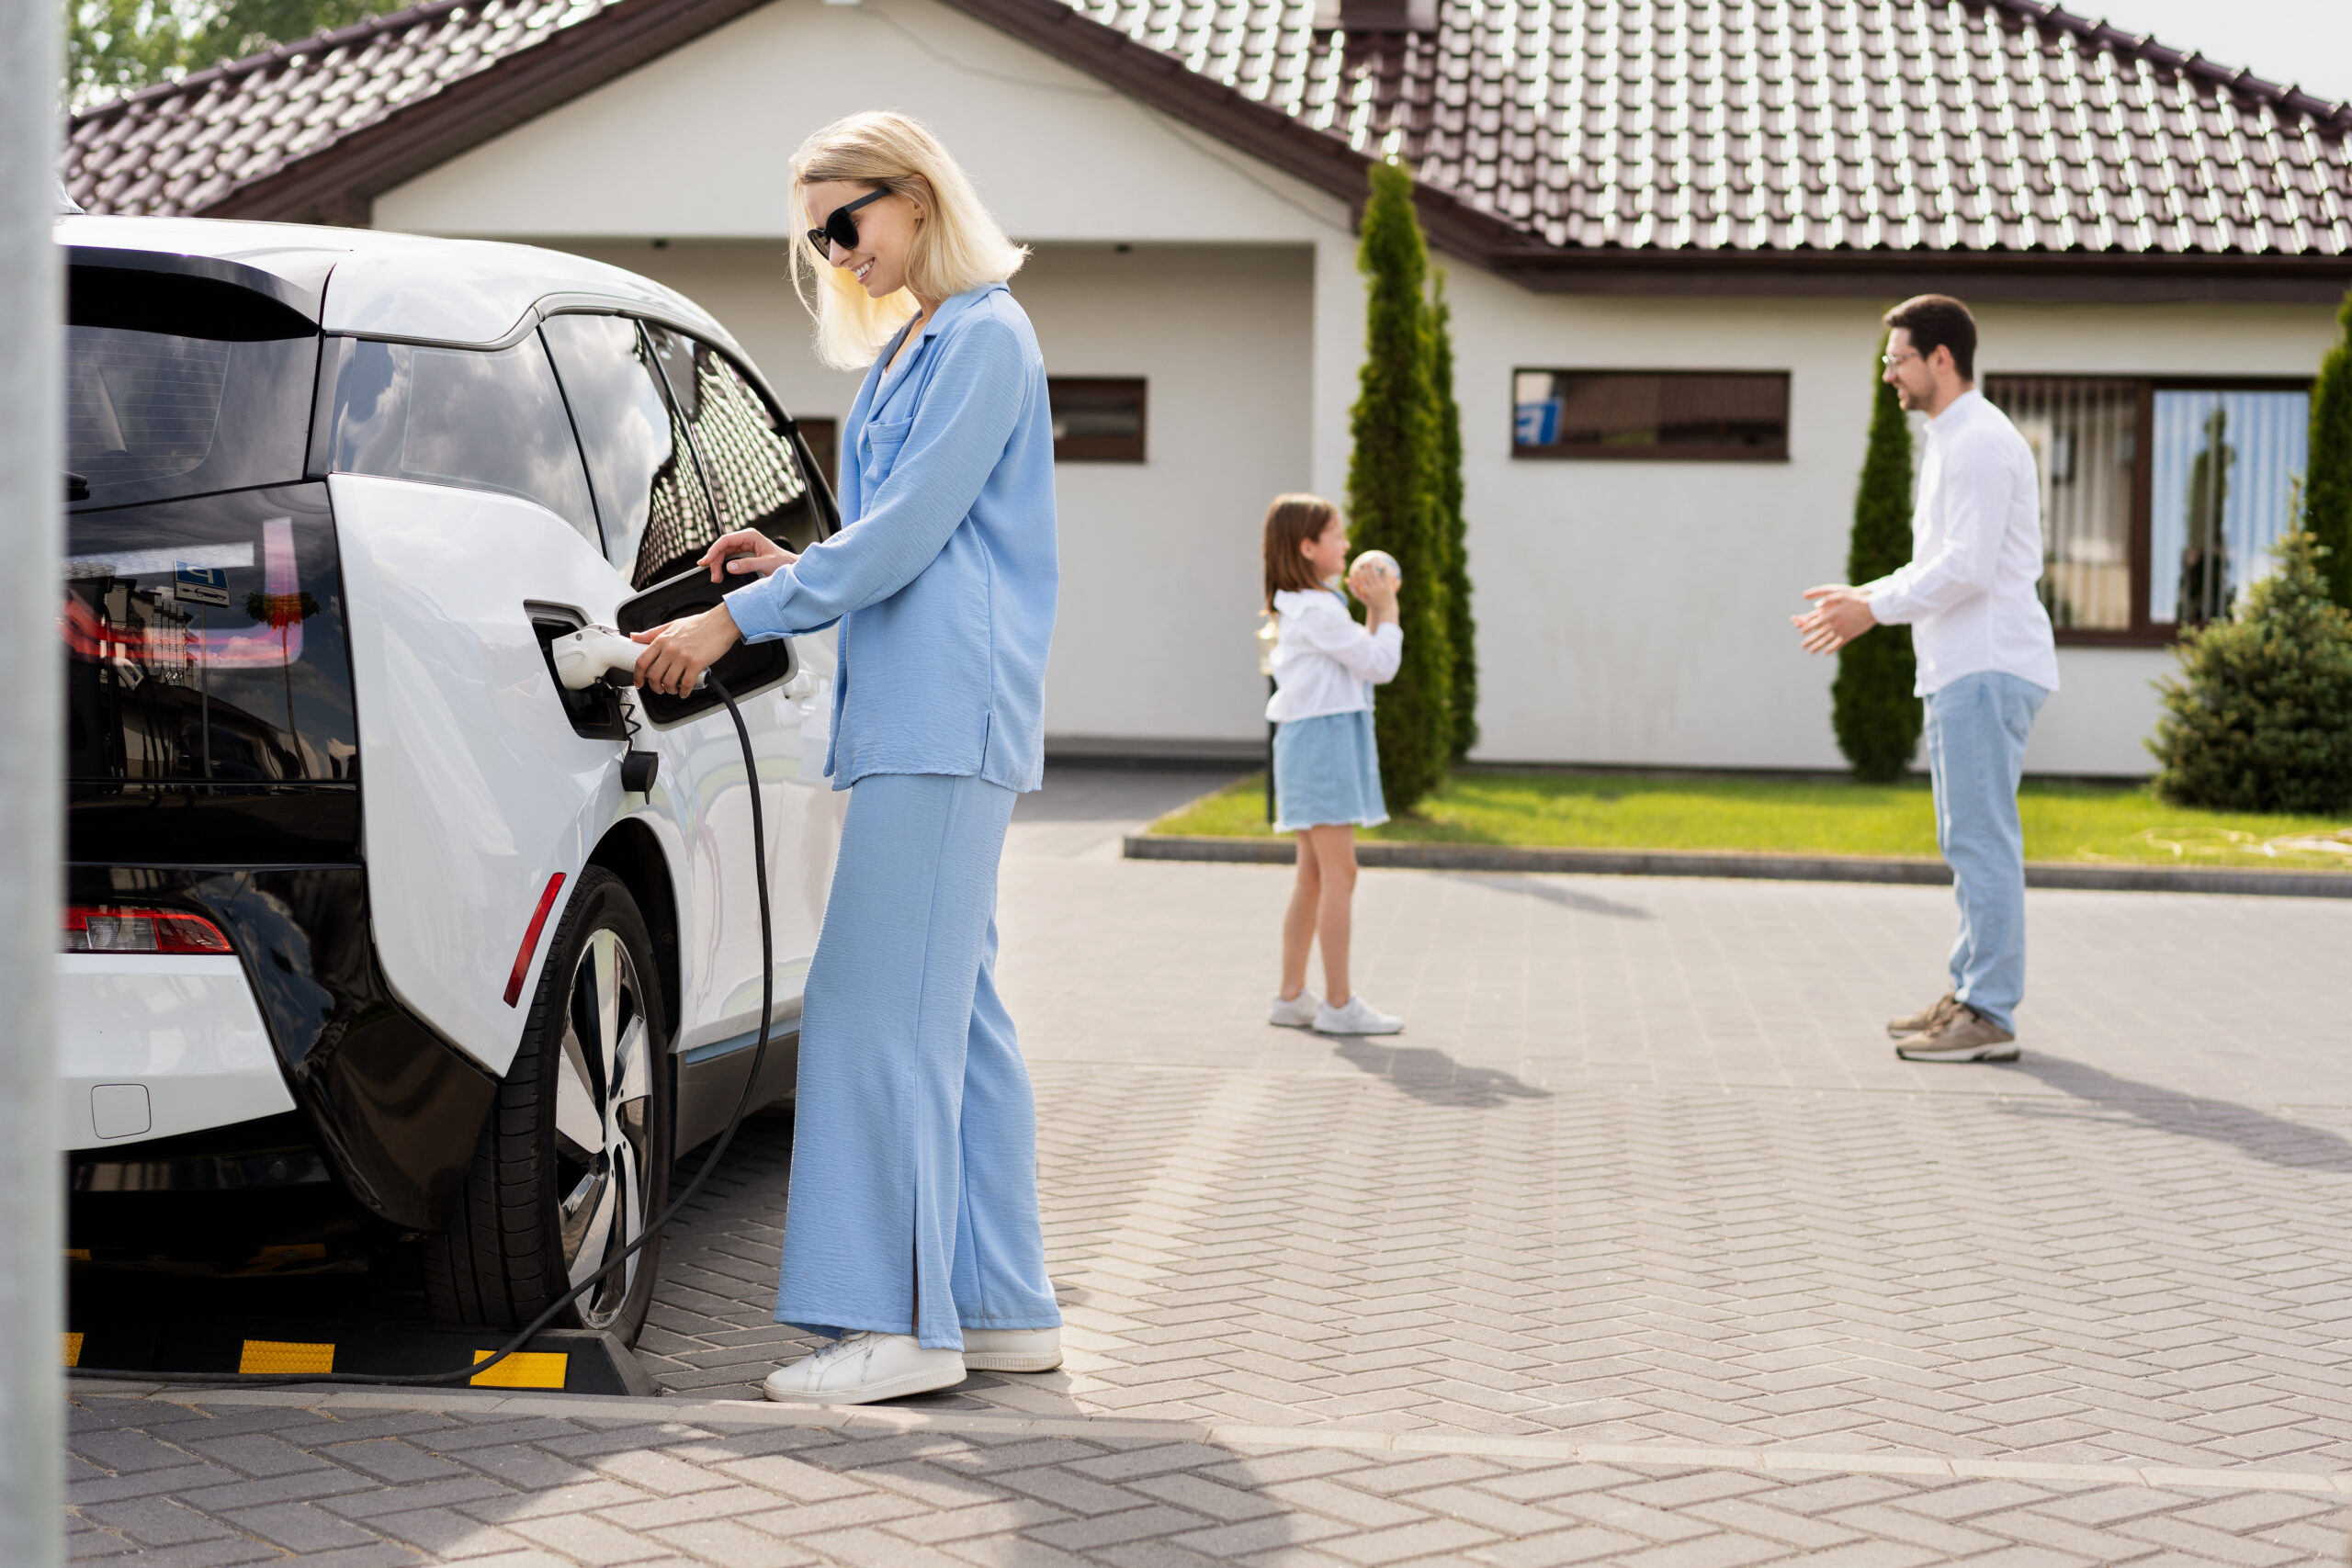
(106, 928)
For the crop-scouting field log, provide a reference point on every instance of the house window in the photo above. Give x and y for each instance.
(1097, 419)
(2160, 498)
(1703, 416)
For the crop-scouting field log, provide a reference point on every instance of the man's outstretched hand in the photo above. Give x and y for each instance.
(1838, 615)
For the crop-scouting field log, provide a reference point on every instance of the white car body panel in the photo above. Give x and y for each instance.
(174, 1036)
(478, 789)
(803, 831)
(403, 286)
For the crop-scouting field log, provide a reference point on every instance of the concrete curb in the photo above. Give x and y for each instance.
(878, 1419)
(1766, 867)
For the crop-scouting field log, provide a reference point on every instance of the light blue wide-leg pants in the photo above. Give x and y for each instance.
(913, 1205)
(1977, 728)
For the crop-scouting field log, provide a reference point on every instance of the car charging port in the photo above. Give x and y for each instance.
(594, 711)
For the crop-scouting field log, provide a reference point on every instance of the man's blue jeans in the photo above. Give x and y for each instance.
(1977, 733)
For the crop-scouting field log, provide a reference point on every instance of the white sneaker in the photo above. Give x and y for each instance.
(1359, 1017)
(1012, 1349)
(1296, 1013)
(858, 1369)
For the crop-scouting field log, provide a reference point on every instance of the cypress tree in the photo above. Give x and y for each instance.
(1460, 632)
(1871, 707)
(2327, 489)
(1392, 496)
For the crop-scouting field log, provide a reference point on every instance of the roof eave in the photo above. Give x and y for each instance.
(2055, 275)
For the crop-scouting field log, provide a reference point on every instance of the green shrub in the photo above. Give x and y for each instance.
(2327, 492)
(2259, 714)
(1460, 632)
(1870, 702)
(1392, 493)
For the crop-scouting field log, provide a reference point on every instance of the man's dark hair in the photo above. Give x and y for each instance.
(1939, 321)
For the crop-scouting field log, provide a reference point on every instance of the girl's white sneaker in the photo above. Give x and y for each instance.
(1359, 1017)
(1012, 1349)
(1299, 1012)
(858, 1369)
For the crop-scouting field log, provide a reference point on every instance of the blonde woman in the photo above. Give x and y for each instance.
(911, 1234)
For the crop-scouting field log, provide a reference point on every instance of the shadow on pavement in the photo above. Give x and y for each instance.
(1435, 1079)
(1551, 892)
(2270, 1139)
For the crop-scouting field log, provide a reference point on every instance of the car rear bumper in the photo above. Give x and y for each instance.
(152, 1045)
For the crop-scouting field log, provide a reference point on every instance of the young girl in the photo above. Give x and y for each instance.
(1327, 769)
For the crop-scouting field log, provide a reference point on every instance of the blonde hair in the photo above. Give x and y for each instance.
(1292, 521)
(957, 245)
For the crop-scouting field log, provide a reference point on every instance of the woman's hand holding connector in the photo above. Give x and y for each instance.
(678, 653)
(742, 552)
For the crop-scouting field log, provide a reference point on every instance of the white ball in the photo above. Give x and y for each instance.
(1381, 561)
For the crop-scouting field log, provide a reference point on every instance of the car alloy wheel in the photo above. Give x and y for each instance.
(573, 1162)
(603, 1124)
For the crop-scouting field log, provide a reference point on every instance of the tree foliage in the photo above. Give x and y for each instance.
(1462, 632)
(1872, 705)
(2259, 716)
(1392, 490)
(114, 47)
(2327, 488)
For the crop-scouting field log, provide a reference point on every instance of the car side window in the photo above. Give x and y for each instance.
(648, 490)
(489, 420)
(754, 471)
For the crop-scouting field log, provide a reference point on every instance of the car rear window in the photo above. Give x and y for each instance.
(179, 387)
(482, 418)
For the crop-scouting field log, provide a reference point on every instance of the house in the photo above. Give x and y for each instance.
(1670, 227)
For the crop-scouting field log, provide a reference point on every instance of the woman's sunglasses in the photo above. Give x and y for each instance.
(840, 227)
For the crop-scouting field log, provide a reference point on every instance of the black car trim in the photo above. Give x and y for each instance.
(307, 303)
(178, 822)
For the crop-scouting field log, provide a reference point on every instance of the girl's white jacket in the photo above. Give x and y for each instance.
(1325, 662)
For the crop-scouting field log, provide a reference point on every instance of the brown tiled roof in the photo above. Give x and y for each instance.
(1547, 133)
(181, 148)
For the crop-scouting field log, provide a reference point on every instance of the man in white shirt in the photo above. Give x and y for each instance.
(1985, 658)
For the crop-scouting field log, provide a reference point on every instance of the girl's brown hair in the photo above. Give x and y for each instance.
(1293, 521)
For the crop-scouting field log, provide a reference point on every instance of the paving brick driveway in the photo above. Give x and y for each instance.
(1640, 1245)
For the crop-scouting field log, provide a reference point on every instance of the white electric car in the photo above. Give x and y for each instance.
(376, 937)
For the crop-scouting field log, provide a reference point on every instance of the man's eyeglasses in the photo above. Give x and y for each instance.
(1892, 360)
(840, 227)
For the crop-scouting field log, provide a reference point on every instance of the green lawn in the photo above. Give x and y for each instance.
(2062, 821)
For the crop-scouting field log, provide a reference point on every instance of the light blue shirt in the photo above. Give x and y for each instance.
(944, 580)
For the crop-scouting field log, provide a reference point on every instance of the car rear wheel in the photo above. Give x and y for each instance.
(573, 1161)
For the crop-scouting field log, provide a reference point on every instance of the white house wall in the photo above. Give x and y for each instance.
(695, 144)
(1629, 613)
(1637, 612)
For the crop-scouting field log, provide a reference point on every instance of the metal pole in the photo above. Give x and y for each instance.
(31, 766)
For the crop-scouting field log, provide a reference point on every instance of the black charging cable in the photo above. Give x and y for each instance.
(555, 1308)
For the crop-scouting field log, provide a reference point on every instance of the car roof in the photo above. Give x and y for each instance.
(372, 284)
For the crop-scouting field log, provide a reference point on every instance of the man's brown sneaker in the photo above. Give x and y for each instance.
(1963, 1035)
(1924, 1018)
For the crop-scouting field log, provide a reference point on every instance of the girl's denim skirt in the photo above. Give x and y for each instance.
(1327, 770)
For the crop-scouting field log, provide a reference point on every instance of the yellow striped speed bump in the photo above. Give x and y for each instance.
(284, 1356)
(523, 1368)
(557, 1362)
